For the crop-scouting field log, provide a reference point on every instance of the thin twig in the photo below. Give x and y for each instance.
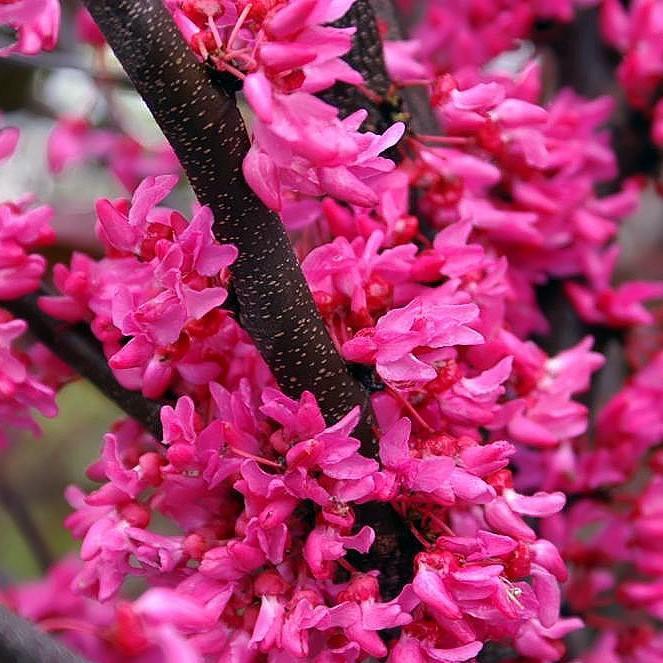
(395, 546)
(367, 58)
(411, 103)
(416, 101)
(16, 509)
(76, 346)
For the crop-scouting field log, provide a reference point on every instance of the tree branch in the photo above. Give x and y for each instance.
(587, 63)
(395, 546)
(203, 125)
(76, 346)
(415, 99)
(21, 642)
(367, 58)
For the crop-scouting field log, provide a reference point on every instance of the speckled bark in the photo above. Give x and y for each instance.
(393, 551)
(79, 349)
(203, 124)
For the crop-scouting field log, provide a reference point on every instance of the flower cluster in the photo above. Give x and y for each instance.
(284, 54)
(158, 290)
(468, 34)
(28, 380)
(271, 575)
(22, 228)
(28, 376)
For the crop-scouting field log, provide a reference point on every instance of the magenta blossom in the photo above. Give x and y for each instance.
(36, 23)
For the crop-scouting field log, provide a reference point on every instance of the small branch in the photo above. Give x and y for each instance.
(582, 58)
(395, 546)
(367, 57)
(416, 101)
(21, 642)
(494, 653)
(586, 63)
(16, 509)
(77, 347)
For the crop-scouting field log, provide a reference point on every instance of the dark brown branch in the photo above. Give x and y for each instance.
(586, 63)
(203, 125)
(13, 504)
(393, 551)
(367, 58)
(21, 642)
(77, 347)
(494, 653)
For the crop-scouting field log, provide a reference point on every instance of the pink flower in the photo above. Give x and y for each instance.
(8, 140)
(22, 228)
(426, 474)
(335, 454)
(360, 614)
(548, 415)
(411, 650)
(601, 304)
(402, 62)
(324, 545)
(87, 29)
(36, 22)
(536, 641)
(334, 158)
(421, 324)
(357, 276)
(74, 141)
(162, 287)
(636, 32)
(21, 390)
(123, 231)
